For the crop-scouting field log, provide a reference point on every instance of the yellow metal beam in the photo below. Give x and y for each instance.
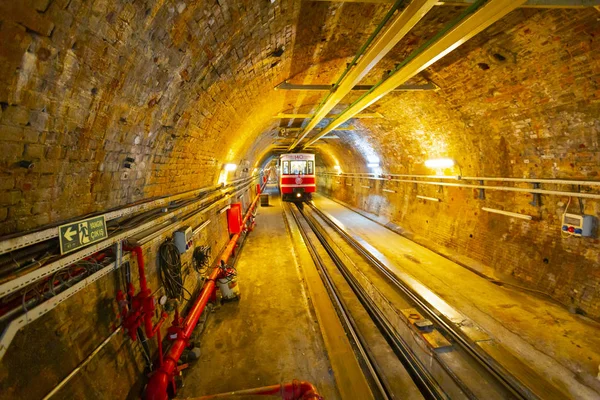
(464, 3)
(395, 30)
(485, 16)
(341, 128)
(292, 116)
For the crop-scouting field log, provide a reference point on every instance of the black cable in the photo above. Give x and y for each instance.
(170, 271)
(201, 258)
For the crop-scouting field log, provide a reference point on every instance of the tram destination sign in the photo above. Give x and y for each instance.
(76, 235)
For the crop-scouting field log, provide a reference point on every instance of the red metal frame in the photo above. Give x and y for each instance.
(181, 330)
(142, 304)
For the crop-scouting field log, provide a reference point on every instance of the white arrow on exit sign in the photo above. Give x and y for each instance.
(69, 234)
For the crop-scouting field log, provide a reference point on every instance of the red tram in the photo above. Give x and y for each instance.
(297, 180)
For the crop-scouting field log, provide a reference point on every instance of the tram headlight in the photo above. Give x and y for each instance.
(298, 195)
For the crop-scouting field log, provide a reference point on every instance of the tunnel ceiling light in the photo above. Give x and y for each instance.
(373, 160)
(230, 167)
(439, 163)
(373, 165)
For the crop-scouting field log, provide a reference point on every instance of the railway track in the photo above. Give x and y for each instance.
(456, 368)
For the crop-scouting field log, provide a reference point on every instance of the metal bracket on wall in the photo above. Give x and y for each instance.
(537, 198)
(481, 192)
(118, 249)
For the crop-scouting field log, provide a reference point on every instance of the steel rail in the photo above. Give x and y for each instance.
(424, 381)
(518, 389)
(344, 314)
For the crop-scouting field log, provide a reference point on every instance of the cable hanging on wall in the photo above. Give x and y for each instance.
(170, 271)
(201, 258)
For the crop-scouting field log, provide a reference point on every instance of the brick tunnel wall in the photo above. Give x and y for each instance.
(176, 86)
(47, 350)
(86, 84)
(533, 112)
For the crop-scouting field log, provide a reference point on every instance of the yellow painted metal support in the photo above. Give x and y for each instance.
(489, 13)
(465, 3)
(292, 116)
(396, 29)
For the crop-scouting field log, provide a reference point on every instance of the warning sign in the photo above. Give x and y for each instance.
(79, 234)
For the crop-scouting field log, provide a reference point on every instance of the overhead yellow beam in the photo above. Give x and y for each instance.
(340, 128)
(364, 88)
(485, 16)
(394, 31)
(527, 4)
(293, 116)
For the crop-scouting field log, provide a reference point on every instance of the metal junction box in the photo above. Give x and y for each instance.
(183, 239)
(578, 225)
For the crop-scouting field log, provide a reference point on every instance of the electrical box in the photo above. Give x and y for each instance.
(578, 225)
(183, 239)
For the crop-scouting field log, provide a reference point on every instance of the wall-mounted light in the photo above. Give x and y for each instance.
(338, 169)
(230, 167)
(439, 163)
(373, 165)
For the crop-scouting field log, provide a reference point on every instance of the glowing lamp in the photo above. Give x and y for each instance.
(439, 163)
(230, 167)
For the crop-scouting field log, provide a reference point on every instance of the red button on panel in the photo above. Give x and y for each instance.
(571, 229)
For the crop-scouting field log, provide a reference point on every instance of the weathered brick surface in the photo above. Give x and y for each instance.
(169, 84)
(185, 86)
(534, 114)
(48, 349)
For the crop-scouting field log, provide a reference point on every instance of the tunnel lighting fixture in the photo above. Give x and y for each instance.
(389, 191)
(373, 165)
(507, 213)
(373, 160)
(365, 186)
(439, 163)
(230, 167)
(222, 210)
(428, 198)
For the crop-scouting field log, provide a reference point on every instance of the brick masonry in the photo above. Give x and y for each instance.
(182, 87)
(533, 112)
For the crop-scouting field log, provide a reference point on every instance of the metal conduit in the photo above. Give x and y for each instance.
(471, 178)
(498, 188)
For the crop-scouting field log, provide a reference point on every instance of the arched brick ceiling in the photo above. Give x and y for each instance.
(185, 86)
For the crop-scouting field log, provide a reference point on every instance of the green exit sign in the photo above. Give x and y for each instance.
(75, 235)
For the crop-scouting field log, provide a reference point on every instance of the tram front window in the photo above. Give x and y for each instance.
(298, 167)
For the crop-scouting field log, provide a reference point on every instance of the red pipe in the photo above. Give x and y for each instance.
(140, 262)
(145, 294)
(157, 388)
(296, 390)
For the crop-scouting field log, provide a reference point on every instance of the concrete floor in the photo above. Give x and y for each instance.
(271, 335)
(562, 346)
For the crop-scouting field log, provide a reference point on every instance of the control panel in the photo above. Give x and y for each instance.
(183, 239)
(578, 225)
